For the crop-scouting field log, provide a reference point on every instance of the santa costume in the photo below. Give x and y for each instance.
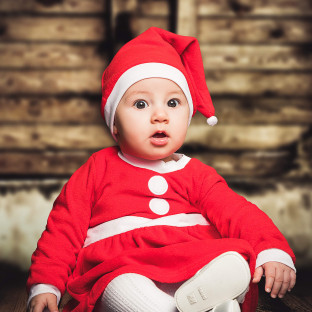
(165, 220)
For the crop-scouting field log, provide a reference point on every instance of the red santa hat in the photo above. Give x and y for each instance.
(157, 53)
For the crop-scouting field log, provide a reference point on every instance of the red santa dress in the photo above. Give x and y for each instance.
(113, 217)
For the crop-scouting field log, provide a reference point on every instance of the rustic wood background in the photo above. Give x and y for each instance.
(257, 56)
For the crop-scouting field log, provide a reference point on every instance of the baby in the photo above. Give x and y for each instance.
(140, 227)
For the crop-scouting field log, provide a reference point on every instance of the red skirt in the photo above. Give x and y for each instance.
(165, 254)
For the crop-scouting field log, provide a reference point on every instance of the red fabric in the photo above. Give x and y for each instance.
(106, 188)
(161, 46)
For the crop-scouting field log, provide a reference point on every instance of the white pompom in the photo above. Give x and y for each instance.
(213, 120)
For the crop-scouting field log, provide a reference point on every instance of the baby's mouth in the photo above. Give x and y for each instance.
(159, 135)
(159, 138)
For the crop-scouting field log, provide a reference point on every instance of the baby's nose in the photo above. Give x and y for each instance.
(159, 115)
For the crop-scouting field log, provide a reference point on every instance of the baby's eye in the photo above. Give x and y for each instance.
(140, 104)
(173, 103)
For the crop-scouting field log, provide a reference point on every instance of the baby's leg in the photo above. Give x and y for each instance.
(133, 292)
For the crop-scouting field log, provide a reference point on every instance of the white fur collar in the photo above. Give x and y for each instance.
(179, 162)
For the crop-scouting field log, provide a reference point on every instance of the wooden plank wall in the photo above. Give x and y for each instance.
(257, 56)
(258, 60)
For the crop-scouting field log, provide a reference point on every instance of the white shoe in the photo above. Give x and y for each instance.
(228, 306)
(223, 279)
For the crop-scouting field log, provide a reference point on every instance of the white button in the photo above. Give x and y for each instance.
(158, 185)
(159, 206)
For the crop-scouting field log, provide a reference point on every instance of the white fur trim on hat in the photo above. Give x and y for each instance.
(140, 72)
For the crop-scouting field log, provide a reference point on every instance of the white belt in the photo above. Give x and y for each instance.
(128, 223)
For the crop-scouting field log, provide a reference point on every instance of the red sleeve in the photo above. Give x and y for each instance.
(235, 217)
(60, 243)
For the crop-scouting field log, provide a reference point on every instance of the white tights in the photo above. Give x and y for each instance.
(134, 292)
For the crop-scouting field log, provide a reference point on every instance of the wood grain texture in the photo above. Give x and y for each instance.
(247, 164)
(223, 83)
(42, 163)
(220, 83)
(230, 56)
(260, 110)
(52, 56)
(256, 31)
(205, 8)
(54, 6)
(38, 28)
(254, 8)
(51, 82)
(239, 137)
(187, 17)
(250, 164)
(217, 30)
(50, 109)
(256, 57)
(54, 137)
(142, 23)
(154, 8)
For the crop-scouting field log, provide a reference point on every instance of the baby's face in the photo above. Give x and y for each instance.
(151, 119)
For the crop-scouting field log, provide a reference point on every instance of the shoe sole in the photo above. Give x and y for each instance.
(224, 278)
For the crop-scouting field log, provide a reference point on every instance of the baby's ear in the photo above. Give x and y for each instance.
(115, 130)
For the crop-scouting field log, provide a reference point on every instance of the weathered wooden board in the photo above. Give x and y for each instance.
(305, 155)
(254, 110)
(239, 137)
(84, 110)
(51, 110)
(298, 304)
(187, 18)
(160, 7)
(247, 57)
(252, 164)
(54, 6)
(137, 7)
(288, 204)
(38, 28)
(12, 290)
(54, 137)
(68, 137)
(219, 82)
(259, 83)
(70, 7)
(52, 55)
(254, 8)
(218, 30)
(51, 82)
(46, 163)
(307, 145)
(256, 57)
(140, 24)
(234, 30)
(62, 29)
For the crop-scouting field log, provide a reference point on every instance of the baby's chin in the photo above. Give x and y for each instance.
(163, 157)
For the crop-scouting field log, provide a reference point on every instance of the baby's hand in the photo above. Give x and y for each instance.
(42, 301)
(278, 278)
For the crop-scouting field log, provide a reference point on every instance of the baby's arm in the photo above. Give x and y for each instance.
(42, 301)
(279, 278)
